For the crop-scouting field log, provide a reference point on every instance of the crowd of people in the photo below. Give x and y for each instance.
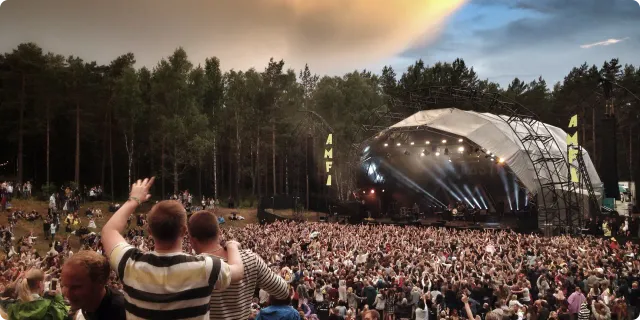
(173, 265)
(10, 190)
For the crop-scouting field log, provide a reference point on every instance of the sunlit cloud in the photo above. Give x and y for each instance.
(333, 36)
(602, 43)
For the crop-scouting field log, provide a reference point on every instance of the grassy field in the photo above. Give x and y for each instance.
(24, 227)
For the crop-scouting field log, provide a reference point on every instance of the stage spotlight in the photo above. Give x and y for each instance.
(364, 192)
(446, 151)
(488, 152)
(382, 190)
(411, 143)
(427, 142)
(422, 154)
(444, 141)
(437, 154)
(500, 160)
(386, 144)
(459, 140)
(373, 191)
(461, 149)
(398, 144)
(449, 160)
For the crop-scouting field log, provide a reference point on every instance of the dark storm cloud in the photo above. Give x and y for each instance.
(329, 34)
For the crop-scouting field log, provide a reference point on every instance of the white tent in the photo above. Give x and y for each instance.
(494, 134)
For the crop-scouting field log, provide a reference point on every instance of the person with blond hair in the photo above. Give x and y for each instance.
(32, 303)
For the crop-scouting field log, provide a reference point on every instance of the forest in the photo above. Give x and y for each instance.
(249, 133)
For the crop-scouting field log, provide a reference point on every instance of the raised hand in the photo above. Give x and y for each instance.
(140, 190)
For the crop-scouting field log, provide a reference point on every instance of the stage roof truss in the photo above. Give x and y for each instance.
(541, 144)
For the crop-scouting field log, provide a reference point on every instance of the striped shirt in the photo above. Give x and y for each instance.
(235, 301)
(167, 285)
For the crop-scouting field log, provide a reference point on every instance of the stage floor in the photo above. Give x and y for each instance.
(505, 223)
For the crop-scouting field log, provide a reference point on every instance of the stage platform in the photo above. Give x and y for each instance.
(507, 222)
(504, 224)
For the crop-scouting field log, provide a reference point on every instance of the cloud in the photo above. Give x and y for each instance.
(331, 35)
(603, 43)
(540, 37)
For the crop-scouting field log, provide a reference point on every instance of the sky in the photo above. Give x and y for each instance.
(501, 39)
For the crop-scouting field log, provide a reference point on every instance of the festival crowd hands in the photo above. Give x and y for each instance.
(489, 266)
(452, 269)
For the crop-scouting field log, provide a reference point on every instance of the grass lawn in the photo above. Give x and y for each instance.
(24, 227)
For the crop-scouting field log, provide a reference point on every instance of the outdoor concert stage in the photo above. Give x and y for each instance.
(460, 162)
(446, 166)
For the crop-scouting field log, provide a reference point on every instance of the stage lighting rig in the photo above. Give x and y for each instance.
(427, 142)
(398, 144)
(437, 154)
(461, 149)
(411, 143)
(444, 141)
(386, 144)
(460, 140)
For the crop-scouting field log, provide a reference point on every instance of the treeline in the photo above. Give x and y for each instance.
(245, 133)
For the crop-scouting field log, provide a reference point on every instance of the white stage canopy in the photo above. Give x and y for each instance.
(492, 133)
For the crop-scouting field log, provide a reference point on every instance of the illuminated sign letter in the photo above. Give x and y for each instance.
(572, 139)
(574, 175)
(329, 180)
(573, 154)
(329, 139)
(328, 154)
(573, 122)
(328, 165)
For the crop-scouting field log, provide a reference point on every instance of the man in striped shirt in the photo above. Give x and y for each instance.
(234, 302)
(165, 283)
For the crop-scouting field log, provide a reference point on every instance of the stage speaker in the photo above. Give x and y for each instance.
(609, 154)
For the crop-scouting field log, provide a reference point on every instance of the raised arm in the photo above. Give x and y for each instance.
(467, 307)
(113, 229)
(235, 261)
(270, 282)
